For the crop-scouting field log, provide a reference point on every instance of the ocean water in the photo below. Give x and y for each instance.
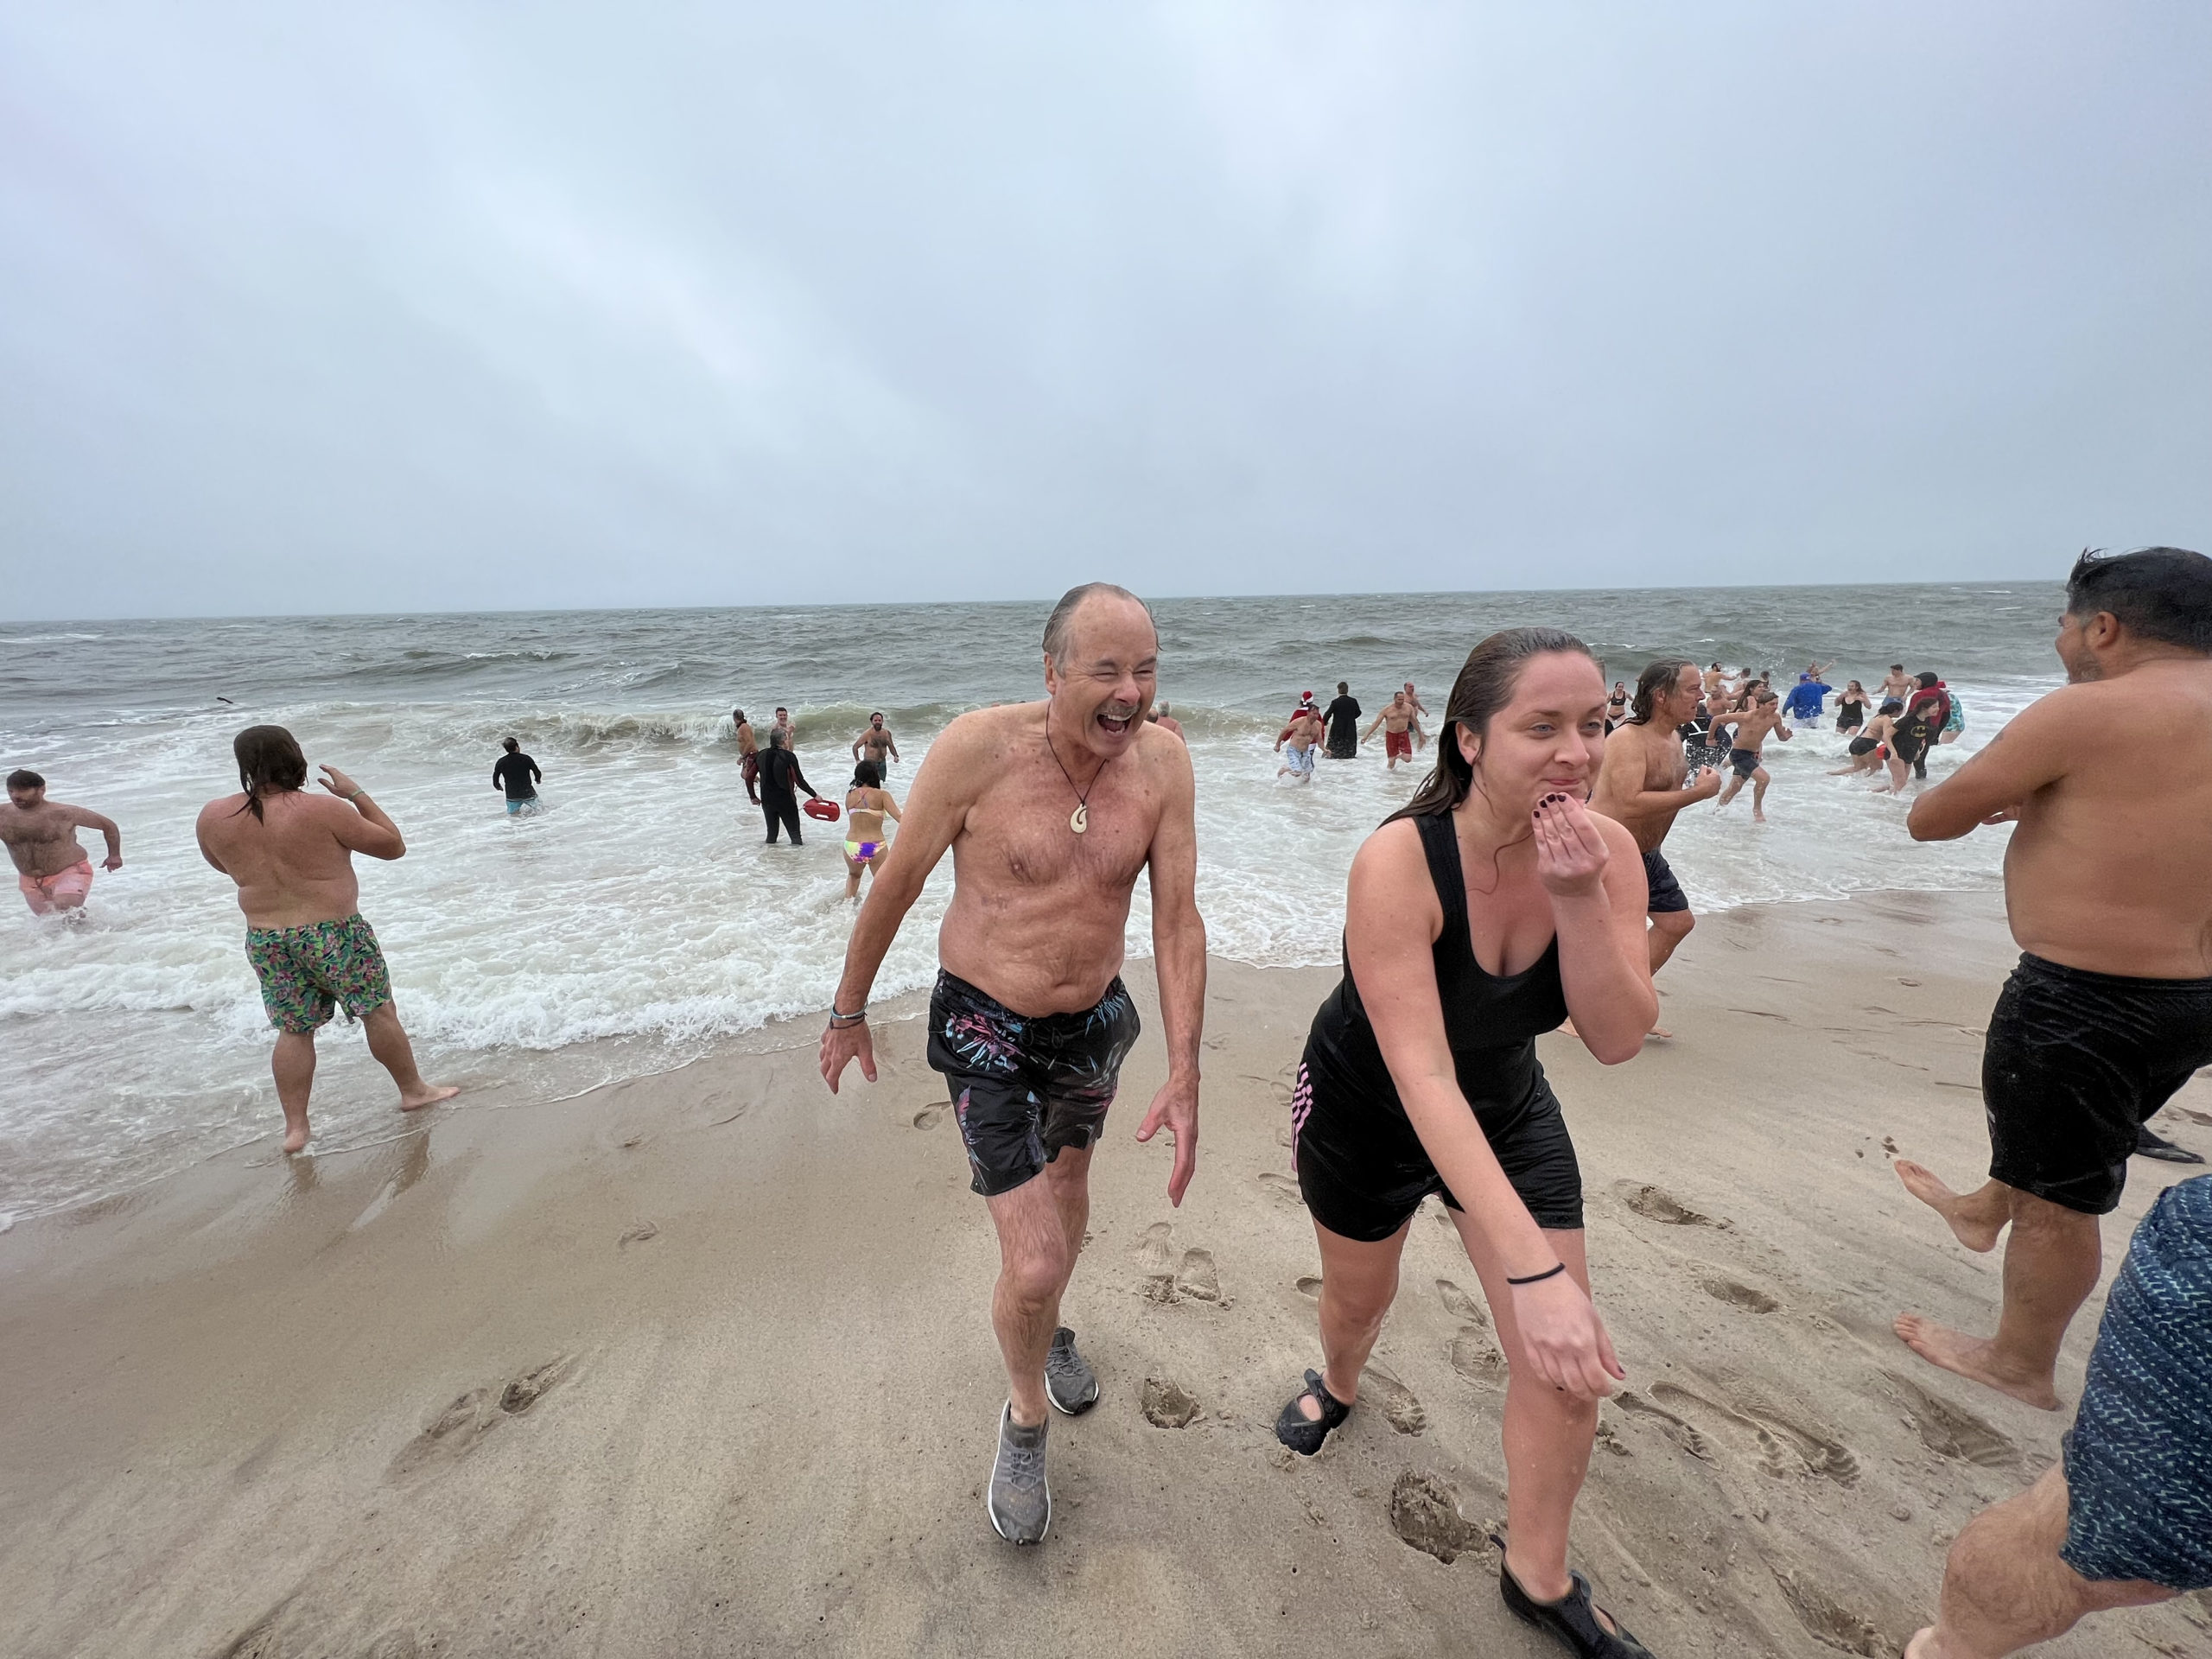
(637, 921)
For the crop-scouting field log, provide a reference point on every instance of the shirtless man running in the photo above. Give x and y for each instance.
(1051, 811)
(51, 868)
(1761, 720)
(291, 854)
(1640, 787)
(1400, 726)
(874, 743)
(1303, 735)
(2108, 886)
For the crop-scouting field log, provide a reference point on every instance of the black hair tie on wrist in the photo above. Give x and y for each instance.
(1539, 1278)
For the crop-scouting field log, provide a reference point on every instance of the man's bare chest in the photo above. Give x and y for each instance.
(33, 828)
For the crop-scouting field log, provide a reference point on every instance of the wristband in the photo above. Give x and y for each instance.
(1539, 1278)
(355, 796)
(842, 1021)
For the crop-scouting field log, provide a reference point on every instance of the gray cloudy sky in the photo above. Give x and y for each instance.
(399, 307)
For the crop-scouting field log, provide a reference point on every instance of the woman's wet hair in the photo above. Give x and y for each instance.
(1485, 686)
(2156, 593)
(1890, 706)
(1655, 678)
(269, 762)
(868, 775)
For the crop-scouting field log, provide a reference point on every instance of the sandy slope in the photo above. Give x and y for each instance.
(700, 1365)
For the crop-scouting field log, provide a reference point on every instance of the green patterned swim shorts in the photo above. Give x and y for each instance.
(306, 972)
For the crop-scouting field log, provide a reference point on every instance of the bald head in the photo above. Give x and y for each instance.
(1082, 604)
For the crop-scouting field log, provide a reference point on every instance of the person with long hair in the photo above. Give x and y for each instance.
(867, 803)
(1477, 916)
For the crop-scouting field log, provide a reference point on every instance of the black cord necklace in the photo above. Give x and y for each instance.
(1078, 820)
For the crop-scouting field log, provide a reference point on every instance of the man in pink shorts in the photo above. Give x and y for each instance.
(51, 868)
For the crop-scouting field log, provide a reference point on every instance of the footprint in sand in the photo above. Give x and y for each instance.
(1310, 1286)
(1829, 1621)
(1168, 1404)
(1476, 1357)
(1155, 1254)
(1459, 1305)
(1394, 1399)
(1282, 1135)
(1657, 1203)
(1682, 1434)
(1785, 1447)
(931, 1115)
(450, 1435)
(1282, 1188)
(1196, 1279)
(1736, 1295)
(1423, 1513)
(530, 1387)
(1951, 1431)
(638, 1235)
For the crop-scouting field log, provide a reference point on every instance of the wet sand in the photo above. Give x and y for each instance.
(701, 1364)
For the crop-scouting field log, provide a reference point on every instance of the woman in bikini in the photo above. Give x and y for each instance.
(1479, 916)
(1872, 747)
(867, 803)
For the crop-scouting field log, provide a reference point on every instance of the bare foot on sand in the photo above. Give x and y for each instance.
(1972, 1358)
(1658, 1034)
(296, 1140)
(1976, 1232)
(431, 1094)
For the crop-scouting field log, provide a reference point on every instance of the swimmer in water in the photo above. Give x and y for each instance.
(867, 803)
(1745, 753)
(1872, 747)
(1303, 735)
(51, 868)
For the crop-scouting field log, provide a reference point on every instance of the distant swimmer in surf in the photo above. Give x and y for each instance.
(1898, 683)
(1616, 705)
(1158, 716)
(1746, 756)
(876, 744)
(517, 774)
(291, 854)
(2107, 783)
(51, 868)
(1644, 782)
(748, 756)
(867, 803)
(1343, 718)
(1400, 726)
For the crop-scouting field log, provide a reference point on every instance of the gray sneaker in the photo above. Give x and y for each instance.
(1021, 1501)
(1070, 1383)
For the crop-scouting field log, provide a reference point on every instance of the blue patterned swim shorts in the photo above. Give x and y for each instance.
(2138, 1458)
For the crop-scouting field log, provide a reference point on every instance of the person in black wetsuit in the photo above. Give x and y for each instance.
(1343, 718)
(517, 774)
(778, 773)
(1471, 913)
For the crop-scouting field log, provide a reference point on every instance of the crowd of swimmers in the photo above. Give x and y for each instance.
(1420, 1075)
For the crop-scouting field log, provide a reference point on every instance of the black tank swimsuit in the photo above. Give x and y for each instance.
(1361, 1167)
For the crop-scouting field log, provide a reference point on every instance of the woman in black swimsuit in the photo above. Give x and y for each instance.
(1616, 705)
(1478, 916)
(1851, 708)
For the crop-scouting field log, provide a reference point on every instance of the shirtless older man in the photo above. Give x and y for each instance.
(1051, 811)
(41, 836)
(291, 854)
(1640, 787)
(1399, 724)
(875, 743)
(2108, 884)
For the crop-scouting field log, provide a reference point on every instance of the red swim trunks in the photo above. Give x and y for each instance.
(63, 890)
(1398, 743)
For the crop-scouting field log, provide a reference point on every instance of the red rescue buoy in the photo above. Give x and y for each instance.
(818, 808)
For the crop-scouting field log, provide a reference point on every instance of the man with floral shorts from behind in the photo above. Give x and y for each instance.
(291, 854)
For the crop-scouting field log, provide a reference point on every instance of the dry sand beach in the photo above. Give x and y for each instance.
(700, 1365)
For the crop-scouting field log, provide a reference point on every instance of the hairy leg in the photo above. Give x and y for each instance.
(1035, 1259)
(2006, 1586)
(1358, 1280)
(2051, 1266)
(293, 1066)
(1760, 779)
(388, 1043)
(1548, 1433)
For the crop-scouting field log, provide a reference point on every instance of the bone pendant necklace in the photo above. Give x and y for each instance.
(1078, 820)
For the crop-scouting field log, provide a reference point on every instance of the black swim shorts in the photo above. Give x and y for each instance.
(2074, 1062)
(1746, 761)
(1024, 1087)
(1362, 1170)
(1666, 894)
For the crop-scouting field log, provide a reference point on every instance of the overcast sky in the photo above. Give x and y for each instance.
(399, 307)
